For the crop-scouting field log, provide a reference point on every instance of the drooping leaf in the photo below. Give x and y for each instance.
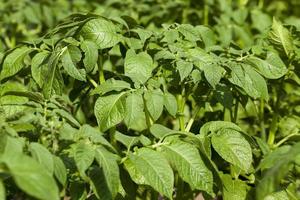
(110, 169)
(151, 168)
(43, 156)
(90, 54)
(32, 177)
(138, 66)
(186, 159)
(83, 155)
(60, 170)
(170, 103)
(135, 116)
(102, 32)
(39, 68)
(14, 62)
(233, 147)
(70, 57)
(154, 102)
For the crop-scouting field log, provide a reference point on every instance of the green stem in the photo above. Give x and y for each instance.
(262, 119)
(100, 68)
(261, 4)
(236, 109)
(205, 13)
(283, 140)
(191, 121)
(92, 81)
(181, 105)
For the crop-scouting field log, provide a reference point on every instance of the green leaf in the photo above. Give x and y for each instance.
(281, 37)
(213, 74)
(281, 195)
(90, 54)
(83, 155)
(271, 68)
(138, 66)
(154, 102)
(233, 147)
(111, 85)
(39, 68)
(151, 168)
(135, 116)
(110, 110)
(126, 140)
(42, 155)
(110, 169)
(160, 131)
(60, 170)
(215, 126)
(187, 161)
(207, 35)
(233, 189)
(69, 58)
(14, 62)
(184, 68)
(170, 103)
(32, 178)
(102, 32)
(2, 191)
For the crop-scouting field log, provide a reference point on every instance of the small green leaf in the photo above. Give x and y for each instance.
(170, 103)
(70, 57)
(60, 170)
(138, 66)
(43, 156)
(39, 68)
(213, 74)
(154, 102)
(280, 36)
(233, 147)
(102, 32)
(14, 62)
(110, 110)
(233, 189)
(184, 68)
(151, 168)
(111, 85)
(110, 169)
(83, 155)
(186, 160)
(135, 116)
(90, 54)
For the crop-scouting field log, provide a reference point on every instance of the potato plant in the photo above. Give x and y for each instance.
(112, 107)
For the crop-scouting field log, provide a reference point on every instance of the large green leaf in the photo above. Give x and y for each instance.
(271, 68)
(110, 110)
(103, 32)
(213, 74)
(281, 37)
(70, 57)
(187, 161)
(107, 161)
(43, 156)
(32, 177)
(14, 62)
(233, 147)
(149, 167)
(233, 189)
(138, 66)
(90, 54)
(215, 126)
(83, 155)
(135, 116)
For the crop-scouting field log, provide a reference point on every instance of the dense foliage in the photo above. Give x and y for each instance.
(128, 99)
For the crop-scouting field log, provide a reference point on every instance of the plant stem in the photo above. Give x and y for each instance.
(283, 140)
(262, 119)
(191, 121)
(100, 68)
(181, 105)
(205, 13)
(261, 4)
(92, 81)
(236, 109)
